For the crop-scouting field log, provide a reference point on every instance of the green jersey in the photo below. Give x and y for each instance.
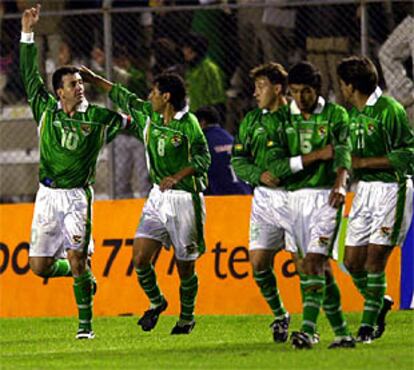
(250, 145)
(69, 146)
(328, 124)
(171, 147)
(381, 129)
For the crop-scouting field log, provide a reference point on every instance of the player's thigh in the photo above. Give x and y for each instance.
(77, 220)
(152, 223)
(185, 224)
(393, 210)
(360, 217)
(268, 220)
(46, 235)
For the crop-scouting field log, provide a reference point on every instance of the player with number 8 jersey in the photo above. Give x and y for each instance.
(178, 159)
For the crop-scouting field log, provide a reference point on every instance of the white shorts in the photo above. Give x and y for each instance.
(62, 220)
(170, 217)
(381, 213)
(313, 222)
(268, 219)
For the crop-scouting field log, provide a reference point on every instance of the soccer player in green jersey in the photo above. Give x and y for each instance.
(382, 157)
(71, 133)
(178, 160)
(309, 155)
(269, 202)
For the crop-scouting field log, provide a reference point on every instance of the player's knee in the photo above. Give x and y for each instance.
(259, 261)
(39, 268)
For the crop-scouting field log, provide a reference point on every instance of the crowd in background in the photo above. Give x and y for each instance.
(213, 50)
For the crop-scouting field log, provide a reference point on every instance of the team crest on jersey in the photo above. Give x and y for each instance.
(323, 241)
(385, 231)
(371, 128)
(322, 131)
(77, 238)
(86, 129)
(176, 140)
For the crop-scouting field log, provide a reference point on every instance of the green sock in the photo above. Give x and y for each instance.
(188, 294)
(82, 287)
(148, 281)
(59, 268)
(360, 281)
(333, 310)
(314, 286)
(376, 285)
(266, 280)
(303, 279)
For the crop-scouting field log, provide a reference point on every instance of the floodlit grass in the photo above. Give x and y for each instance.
(217, 342)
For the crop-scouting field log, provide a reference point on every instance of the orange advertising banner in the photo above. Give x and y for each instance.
(226, 284)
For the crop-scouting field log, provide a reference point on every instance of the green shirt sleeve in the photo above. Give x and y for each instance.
(139, 110)
(242, 159)
(399, 139)
(341, 140)
(278, 158)
(38, 96)
(200, 158)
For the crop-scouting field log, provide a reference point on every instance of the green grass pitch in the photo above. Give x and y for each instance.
(217, 342)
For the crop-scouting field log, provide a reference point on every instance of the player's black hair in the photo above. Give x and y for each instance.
(172, 83)
(208, 114)
(305, 73)
(57, 82)
(275, 72)
(360, 72)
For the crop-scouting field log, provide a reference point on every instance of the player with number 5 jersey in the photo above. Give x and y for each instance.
(310, 155)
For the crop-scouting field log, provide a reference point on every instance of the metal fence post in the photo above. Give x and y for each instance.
(107, 33)
(364, 28)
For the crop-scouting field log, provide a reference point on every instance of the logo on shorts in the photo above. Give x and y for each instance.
(176, 140)
(191, 249)
(371, 128)
(77, 239)
(385, 231)
(323, 241)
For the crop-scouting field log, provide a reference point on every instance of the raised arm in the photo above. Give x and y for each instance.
(36, 91)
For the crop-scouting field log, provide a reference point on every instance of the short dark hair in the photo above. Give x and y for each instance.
(198, 43)
(275, 72)
(57, 82)
(360, 72)
(172, 83)
(208, 114)
(305, 73)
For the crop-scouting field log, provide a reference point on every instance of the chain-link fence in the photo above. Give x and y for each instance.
(131, 41)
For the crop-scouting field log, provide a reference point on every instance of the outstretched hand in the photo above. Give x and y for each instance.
(29, 18)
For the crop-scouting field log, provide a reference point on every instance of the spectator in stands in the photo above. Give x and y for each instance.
(167, 57)
(394, 55)
(222, 180)
(203, 77)
(213, 24)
